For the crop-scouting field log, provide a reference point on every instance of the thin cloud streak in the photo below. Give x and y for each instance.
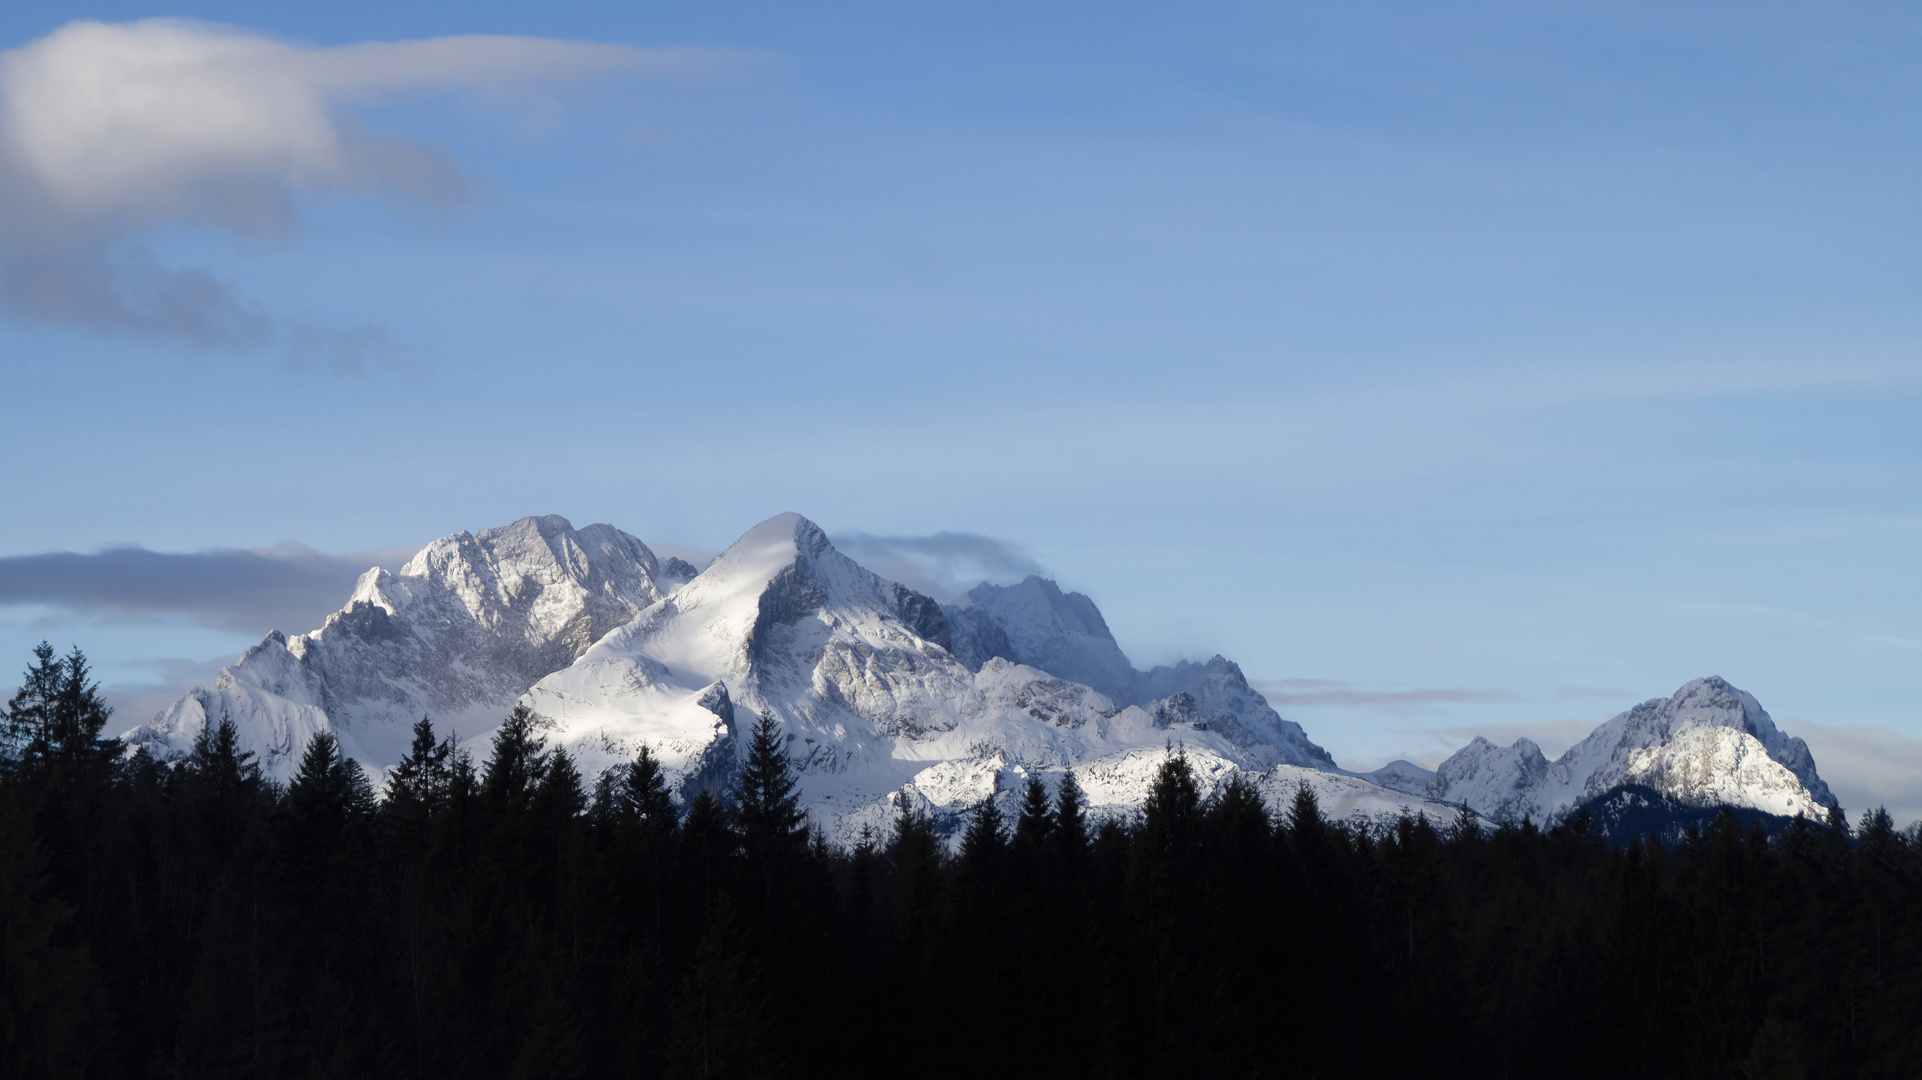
(1333, 694)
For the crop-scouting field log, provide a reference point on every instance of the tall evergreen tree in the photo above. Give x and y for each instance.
(1174, 801)
(767, 799)
(28, 713)
(222, 784)
(417, 785)
(1036, 823)
(985, 842)
(320, 797)
(560, 797)
(1070, 816)
(643, 793)
(1304, 813)
(518, 763)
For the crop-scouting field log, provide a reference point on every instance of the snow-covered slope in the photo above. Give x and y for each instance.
(1709, 744)
(1036, 624)
(458, 634)
(864, 675)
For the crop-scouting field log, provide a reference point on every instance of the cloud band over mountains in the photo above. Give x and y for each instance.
(293, 588)
(289, 587)
(1331, 693)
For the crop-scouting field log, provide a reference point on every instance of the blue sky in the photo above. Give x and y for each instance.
(1452, 367)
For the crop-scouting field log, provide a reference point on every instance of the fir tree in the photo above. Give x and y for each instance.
(767, 802)
(1070, 816)
(1036, 823)
(708, 846)
(222, 783)
(1467, 828)
(417, 784)
(1304, 813)
(1173, 802)
(984, 843)
(559, 797)
(28, 714)
(320, 802)
(518, 763)
(604, 809)
(643, 793)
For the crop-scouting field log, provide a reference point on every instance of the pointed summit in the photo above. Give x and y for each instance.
(1708, 744)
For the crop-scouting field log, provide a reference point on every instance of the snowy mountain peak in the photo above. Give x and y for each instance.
(1037, 625)
(1709, 743)
(457, 634)
(1712, 702)
(674, 573)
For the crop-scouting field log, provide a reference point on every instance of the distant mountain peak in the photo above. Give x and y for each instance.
(1708, 744)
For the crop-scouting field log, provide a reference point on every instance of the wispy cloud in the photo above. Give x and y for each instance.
(289, 587)
(107, 130)
(943, 565)
(1330, 693)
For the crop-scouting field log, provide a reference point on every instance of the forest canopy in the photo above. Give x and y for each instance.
(490, 912)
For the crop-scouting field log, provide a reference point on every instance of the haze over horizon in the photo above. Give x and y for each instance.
(1461, 369)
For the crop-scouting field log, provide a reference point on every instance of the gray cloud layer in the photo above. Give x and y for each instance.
(1866, 765)
(289, 587)
(1326, 692)
(107, 130)
(943, 565)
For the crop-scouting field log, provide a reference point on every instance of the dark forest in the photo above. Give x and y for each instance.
(493, 913)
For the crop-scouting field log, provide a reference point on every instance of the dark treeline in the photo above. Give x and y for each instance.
(499, 915)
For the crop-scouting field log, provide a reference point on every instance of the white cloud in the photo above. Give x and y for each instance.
(943, 565)
(108, 129)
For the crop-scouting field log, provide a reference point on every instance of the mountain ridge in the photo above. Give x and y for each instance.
(885, 694)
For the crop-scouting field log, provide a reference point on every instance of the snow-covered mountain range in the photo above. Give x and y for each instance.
(886, 695)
